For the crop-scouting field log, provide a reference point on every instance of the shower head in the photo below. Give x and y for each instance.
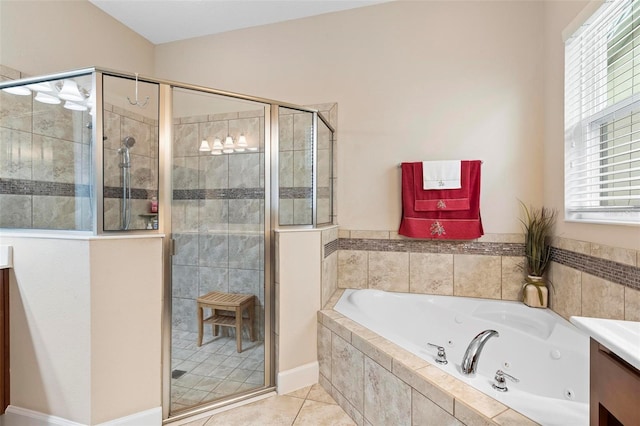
(128, 141)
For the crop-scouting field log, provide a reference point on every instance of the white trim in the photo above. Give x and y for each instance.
(298, 378)
(17, 416)
(151, 417)
(581, 18)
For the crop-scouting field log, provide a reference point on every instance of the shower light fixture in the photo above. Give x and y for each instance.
(47, 99)
(74, 106)
(17, 90)
(70, 92)
(228, 146)
(91, 100)
(217, 144)
(44, 86)
(204, 146)
(228, 142)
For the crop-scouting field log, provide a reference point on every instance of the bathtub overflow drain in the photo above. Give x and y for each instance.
(568, 393)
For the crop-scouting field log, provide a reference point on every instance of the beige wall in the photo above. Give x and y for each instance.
(85, 326)
(50, 327)
(298, 279)
(417, 80)
(126, 308)
(413, 81)
(47, 36)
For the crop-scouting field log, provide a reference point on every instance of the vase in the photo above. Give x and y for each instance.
(535, 293)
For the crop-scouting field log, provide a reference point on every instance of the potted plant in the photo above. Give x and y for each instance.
(538, 223)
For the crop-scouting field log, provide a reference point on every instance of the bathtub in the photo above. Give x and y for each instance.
(547, 354)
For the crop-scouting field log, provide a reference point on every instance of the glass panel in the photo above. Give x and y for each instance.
(325, 165)
(295, 166)
(130, 155)
(218, 226)
(45, 155)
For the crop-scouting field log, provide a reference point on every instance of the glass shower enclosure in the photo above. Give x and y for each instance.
(214, 172)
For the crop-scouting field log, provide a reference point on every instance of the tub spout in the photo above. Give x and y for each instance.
(472, 354)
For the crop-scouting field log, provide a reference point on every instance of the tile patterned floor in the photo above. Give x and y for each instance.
(311, 406)
(213, 370)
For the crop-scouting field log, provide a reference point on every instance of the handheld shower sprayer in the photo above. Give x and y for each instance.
(127, 143)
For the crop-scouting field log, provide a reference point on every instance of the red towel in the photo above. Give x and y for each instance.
(447, 214)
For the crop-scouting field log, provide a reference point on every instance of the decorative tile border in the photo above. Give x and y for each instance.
(330, 248)
(619, 273)
(36, 187)
(136, 193)
(296, 192)
(616, 272)
(432, 246)
(218, 194)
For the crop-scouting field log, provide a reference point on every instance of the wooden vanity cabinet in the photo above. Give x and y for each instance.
(4, 339)
(615, 389)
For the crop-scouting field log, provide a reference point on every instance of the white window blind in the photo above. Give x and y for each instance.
(602, 116)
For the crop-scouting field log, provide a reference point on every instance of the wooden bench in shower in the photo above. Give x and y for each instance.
(231, 315)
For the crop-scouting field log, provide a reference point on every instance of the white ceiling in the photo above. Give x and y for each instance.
(162, 21)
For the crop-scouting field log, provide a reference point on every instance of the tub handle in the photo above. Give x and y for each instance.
(442, 355)
(501, 384)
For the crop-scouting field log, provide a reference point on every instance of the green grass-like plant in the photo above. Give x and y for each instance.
(538, 224)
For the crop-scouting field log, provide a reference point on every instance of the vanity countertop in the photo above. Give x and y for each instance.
(6, 257)
(621, 337)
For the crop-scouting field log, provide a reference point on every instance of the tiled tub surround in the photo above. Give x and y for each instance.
(44, 163)
(378, 383)
(588, 279)
(118, 124)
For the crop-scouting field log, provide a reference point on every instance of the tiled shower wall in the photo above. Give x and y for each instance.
(44, 163)
(218, 211)
(295, 162)
(118, 124)
(45, 169)
(588, 279)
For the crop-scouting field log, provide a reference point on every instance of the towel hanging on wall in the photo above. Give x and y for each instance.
(448, 214)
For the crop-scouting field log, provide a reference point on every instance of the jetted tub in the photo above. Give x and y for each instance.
(547, 354)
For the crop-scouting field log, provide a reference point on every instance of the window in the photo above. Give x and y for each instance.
(602, 116)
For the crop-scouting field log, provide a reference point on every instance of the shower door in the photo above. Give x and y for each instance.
(218, 226)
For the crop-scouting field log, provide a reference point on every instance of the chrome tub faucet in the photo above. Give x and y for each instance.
(472, 354)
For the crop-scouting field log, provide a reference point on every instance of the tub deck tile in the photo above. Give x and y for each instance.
(334, 299)
(357, 329)
(411, 377)
(370, 349)
(426, 412)
(462, 392)
(339, 329)
(469, 416)
(513, 418)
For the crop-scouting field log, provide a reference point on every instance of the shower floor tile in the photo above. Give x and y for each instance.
(214, 370)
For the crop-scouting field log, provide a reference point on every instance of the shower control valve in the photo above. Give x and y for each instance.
(501, 384)
(442, 356)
